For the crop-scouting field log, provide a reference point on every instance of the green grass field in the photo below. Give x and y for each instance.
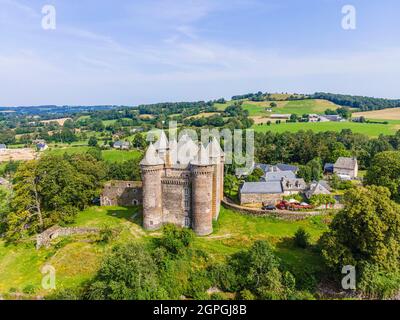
(119, 156)
(301, 107)
(371, 130)
(108, 155)
(2, 167)
(298, 107)
(111, 122)
(76, 259)
(68, 150)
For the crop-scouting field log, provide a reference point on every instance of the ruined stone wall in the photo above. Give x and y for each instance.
(44, 239)
(280, 214)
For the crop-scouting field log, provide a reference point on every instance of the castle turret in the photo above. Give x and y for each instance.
(152, 168)
(202, 178)
(215, 152)
(162, 145)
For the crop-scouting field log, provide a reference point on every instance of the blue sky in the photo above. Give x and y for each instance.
(144, 51)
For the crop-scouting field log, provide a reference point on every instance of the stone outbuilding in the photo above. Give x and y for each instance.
(260, 192)
(122, 193)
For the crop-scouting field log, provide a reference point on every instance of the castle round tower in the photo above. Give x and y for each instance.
(152, 169)
(215, 153)
(202, 179)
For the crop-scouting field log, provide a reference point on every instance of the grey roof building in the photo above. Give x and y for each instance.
(3, 146)
(328, 167)
(320, 187)
(293, 185)
(275, 168)
(333, 117)
(264, 167)
(287, 167)
(278, 176)
(122, 145)
(261, 187)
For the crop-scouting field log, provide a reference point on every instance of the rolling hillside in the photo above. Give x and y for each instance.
(77, 258)
(299, 107)
(385, 114)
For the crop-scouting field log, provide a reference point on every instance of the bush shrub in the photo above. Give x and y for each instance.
(302, 238)
(176, 240)
(29, 289)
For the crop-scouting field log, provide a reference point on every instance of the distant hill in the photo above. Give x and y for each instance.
(53, 109)
(360, 102)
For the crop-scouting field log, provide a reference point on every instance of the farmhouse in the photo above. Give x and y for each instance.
(122, 145)
(334, 117)
(270, 191)
(293, 186)
(260, 192)
(42, 146)
(3, 147)
(346, 168)
(280, 116)
(317, 118)
(318, 187)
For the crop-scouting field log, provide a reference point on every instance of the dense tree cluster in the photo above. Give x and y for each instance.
(385, 171)
(51, 191)
(365, 234)
(169, 108)
(260, 96)
(344, 112)
(303, 146)
(256, 274)
(359, 102)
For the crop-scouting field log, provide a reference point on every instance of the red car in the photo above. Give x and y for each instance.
(293, 206)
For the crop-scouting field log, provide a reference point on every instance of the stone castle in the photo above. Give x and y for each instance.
(182, 184)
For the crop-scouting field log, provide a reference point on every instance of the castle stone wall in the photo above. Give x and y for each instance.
(174, 202)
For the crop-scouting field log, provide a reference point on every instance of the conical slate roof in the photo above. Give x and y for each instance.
(162, 142)
(187, 151)
(151, 157)
(214, 149)
(173, 151)
(202, 158)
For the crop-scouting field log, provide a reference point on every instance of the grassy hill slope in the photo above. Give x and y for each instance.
(76, 259)
(369, 129)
